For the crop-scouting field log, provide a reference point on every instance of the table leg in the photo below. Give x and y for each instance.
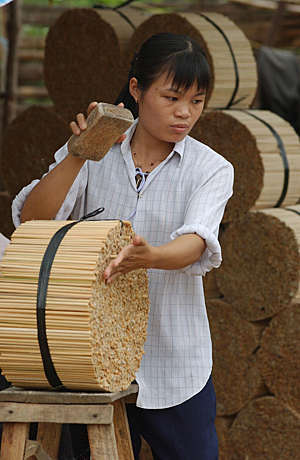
(122, 431)
(48, 436)
(14, 437)
(102, 442)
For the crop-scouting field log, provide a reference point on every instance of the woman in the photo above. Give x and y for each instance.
(174, 190)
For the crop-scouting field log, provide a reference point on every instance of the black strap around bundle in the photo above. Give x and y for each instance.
(43, 281)
(283, 157)
(117, 9)
(293, 210)
(231, 102)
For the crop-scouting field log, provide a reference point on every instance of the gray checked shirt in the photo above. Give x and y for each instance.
(186, 193)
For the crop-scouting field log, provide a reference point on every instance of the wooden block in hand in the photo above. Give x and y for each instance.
(105, 125)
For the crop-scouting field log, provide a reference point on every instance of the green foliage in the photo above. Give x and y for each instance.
(34, 31)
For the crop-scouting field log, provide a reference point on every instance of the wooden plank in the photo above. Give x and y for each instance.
(56, 413)
(34, 451)
(122, 432)
(30, 54)
(41, 15)
(32, 91)
(49, 437)
(14, 436)
(131, 399)
(102, 442)
(33, 42)
(291, 6)
(14, 394)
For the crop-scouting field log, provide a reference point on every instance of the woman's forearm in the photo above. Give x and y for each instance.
(46, 198)
(179, 253)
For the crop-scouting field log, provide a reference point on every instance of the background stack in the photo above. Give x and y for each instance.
(253, 297)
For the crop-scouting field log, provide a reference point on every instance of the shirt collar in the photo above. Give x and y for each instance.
(125, 145)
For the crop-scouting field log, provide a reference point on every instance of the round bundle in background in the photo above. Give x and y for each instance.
(265, 429)
(211, 290)
(235, 374)
(259, 274)
(279, 356)
(83, 57)
(28, 146)
(95, 332)
(222, 425)
(6, 223)
(234, 74)
(264, 150)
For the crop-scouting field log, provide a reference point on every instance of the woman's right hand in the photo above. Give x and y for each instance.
(81, 125)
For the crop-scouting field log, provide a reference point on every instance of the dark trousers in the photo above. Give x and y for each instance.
(183, 432)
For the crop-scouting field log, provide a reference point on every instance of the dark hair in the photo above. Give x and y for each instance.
(178, 55)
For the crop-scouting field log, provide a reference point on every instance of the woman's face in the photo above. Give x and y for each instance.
(166, 113)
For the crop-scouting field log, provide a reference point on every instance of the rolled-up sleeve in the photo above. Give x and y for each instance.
(75, 192)
(205, 210)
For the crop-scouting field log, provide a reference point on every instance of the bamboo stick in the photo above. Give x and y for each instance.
(95, 332)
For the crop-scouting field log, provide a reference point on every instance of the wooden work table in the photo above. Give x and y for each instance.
(103, 413)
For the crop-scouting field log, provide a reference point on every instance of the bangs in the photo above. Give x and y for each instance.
(187, 68)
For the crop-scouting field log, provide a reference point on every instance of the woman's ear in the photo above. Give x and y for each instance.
(134, 89)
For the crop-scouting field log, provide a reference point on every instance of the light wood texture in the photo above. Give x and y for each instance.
(13, 394)
(56, 413)
(13, 443)
(102, 442)
(34, 451)
(121, 27)
(48, 436)
(103, 421)
(95, 331)
(223, 64)
(262, 178)
(270, 154)
(122, 431)
(292, 6)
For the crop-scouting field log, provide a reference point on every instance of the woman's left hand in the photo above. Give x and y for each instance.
(137, 255)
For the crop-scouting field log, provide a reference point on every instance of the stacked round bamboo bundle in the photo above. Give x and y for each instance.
(222, 425)
(264, 150)
(265, 429)
(234, 75)
(29, 143)
(83, 60)
(235, 374)
(6, 223)
(259, 275)
(95, 332)
(291, 217)
(279, 356)
(211, 290)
